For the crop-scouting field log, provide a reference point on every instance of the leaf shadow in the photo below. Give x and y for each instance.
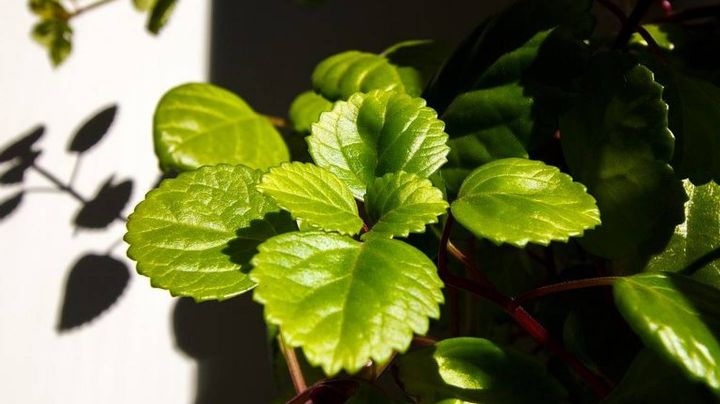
(8, 206)
(93, 130)
(23, 145)
(16, 173)
(106, 206)
(229, 342)
(244, 246)
(95, 282)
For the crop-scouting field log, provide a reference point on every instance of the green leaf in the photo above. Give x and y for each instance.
(313, 195)
(56, 36)
(195, 234)
(377, 133)
(160, 14)
(694, 118)
(659, 34)
(676, 317)
(305, 110)
(651, 380)
(201, 124)
(340, 76)
(517, 201)
(616, 141)
(418, 55)
(49, 10)
(400, 203)
(344, 301)
(144, 5)
(695, 243)
(475, 370)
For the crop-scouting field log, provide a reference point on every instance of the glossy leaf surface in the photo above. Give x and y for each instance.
(475, 370)
(195, 234)
(695, 243)
(378, 133)
(305, 110)
(517, 201)
(340, 76)
(398, 204)
(201, 124)
(676, 317)
(313, 195)
(343, 301)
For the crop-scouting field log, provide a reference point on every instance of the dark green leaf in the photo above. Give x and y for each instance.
(377, 133)
(160, 14)
(676, 317)
(517, 201)
(475, 370)
(343, 301)
(195, 234)
(56, 36)
(201, 124)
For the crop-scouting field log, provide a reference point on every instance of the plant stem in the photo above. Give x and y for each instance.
(565, 286)
(693, 14)
(89, 7)
(652, 45)
(486, 290)
(277, 121)
(296, 375)
(632, 23)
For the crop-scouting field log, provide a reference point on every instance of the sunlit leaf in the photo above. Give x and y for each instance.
(305, 110)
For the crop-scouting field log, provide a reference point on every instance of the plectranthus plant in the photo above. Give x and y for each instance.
(531, 218)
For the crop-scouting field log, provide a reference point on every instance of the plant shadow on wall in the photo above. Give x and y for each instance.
(96, 279)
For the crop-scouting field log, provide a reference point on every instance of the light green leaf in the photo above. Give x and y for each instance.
(343, 301)
(517, 201)
(694, 118)
(377, 133)
(144, 5)
(659, 34)
(676, 317)
(340, 76)
(313, 195)
(160, 14)
(305, 110)
(195, 234)
(400, 203)
(475, 370)
(56, 36)
(651, 380)
(201, 124)
(616, 141)
(695, 243)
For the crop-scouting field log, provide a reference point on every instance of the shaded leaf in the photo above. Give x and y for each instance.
(16, 173)
(400, 203)
(144, 5)
(345, 302)
(192, 234)
(95, 283)
(93, 130)
(478, 371)
(305, 110)
(676, 317)
(423, 55)
(22, 146)
(651, 380)
(378, 133)
(313, 195)
(201, 124)
(342, 75)
(106, 206)
(160, 14)
(517, 201)
(616, 141)
(47, 9)
(695, 243)
(8, 206)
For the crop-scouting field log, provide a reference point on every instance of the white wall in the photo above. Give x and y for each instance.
(126, 355)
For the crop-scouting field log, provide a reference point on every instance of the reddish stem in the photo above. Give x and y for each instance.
(632, 23)
(488, 291)
(565, 286)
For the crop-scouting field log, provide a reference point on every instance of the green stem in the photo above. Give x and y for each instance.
(89, 7)
(296, 375)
